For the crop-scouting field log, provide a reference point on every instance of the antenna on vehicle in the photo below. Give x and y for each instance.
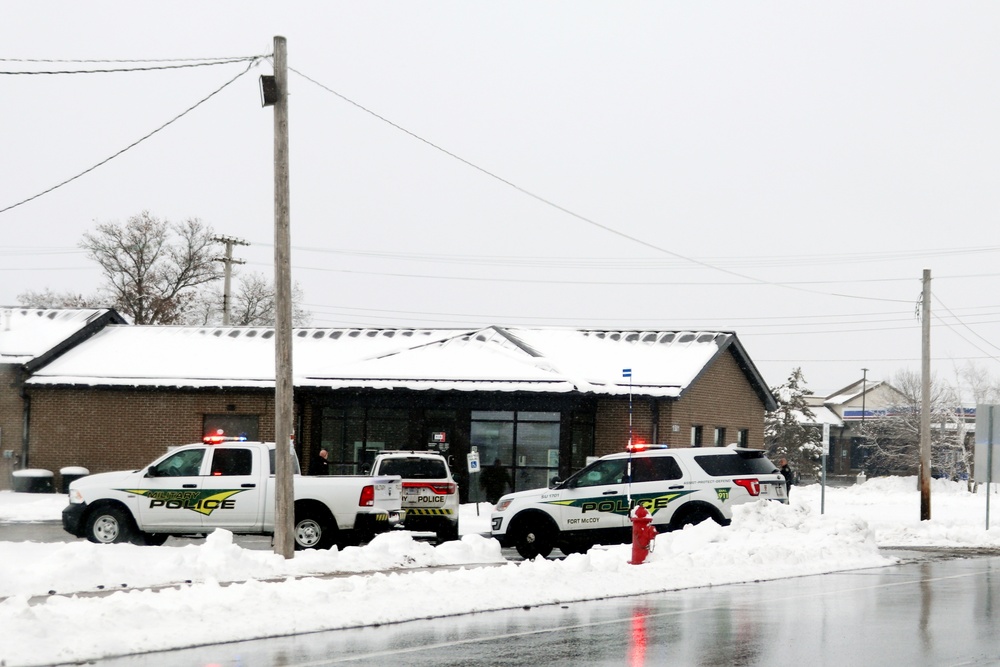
(627, 372)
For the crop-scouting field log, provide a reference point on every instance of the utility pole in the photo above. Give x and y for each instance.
(228, 261)
(274, 92)
(864, 395)
(925, 400)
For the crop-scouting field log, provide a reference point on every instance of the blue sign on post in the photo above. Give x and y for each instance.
(626, 372)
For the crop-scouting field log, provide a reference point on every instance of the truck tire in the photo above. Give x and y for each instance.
(313, 532)
(110, 525)
(448, 532)
(154, 539)
(533, 536)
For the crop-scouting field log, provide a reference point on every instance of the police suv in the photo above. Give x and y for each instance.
(430, 494)
(679, 487)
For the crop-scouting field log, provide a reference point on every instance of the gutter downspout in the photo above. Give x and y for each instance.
(25, 420)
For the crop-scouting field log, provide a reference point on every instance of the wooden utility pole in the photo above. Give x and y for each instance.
(925, 401)
(284, 495)
(228, 281)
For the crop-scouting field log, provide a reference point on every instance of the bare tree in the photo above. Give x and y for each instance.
(892, 439)
(49, 299)
(152, 269)
(252, 304)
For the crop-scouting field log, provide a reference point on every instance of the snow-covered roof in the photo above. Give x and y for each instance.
(821, 415)
(663, 363)
(853, 391)
(29, 333)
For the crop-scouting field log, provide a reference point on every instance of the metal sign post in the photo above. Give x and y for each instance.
(473, 460)
(826, 452)
(986, 438)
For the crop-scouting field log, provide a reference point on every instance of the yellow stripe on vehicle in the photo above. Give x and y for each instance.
(436, 512)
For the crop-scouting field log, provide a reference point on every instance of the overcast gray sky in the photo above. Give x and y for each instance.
(785, 170)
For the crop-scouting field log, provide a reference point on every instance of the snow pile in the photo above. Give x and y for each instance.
(230, 587)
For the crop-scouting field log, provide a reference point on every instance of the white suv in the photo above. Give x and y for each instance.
(430, 494)
(679, 487)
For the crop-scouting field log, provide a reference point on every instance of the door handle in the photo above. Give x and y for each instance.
(189, 486)
(610, 493)
(677, 486)
(248, 486)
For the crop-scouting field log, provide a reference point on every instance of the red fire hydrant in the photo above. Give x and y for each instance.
(643, 534)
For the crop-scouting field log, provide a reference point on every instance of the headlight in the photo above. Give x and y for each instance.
(504, 504)
(75, 497)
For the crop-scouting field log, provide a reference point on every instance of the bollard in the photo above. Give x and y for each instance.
(643, 534)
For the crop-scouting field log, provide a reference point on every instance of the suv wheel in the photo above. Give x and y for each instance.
(533, 537)
(693, 517)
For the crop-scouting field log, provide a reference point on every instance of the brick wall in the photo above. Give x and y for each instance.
(721, 397)
(10, 422)
(121, 429)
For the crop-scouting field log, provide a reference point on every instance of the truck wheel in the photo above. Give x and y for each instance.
(312, 533)
(448, 533)
(533, 537)
(154, 539)
(109, 525)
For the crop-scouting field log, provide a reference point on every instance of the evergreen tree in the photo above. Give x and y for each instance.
(790, 431)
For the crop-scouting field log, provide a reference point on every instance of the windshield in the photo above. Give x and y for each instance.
(414, 468)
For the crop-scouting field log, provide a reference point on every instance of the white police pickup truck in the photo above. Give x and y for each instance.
(678, 487)
(227, 483)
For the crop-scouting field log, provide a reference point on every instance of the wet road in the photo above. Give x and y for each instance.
(934, 611)
(937, 612)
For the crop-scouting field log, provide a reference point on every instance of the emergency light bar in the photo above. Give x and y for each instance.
(218, 439)
(639, 447)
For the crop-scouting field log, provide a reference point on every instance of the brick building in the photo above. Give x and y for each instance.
(30, 338)
(540, 400)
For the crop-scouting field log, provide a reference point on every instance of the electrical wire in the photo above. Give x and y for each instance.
(119, 70)
(574, 214)
(134, 143)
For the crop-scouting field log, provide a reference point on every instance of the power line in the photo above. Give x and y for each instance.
(574, 214)
(134, 143)
(133, 60)
(118, 70)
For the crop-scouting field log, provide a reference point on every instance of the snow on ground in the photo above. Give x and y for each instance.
(766, 541)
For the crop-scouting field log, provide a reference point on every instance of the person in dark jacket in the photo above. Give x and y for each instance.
(494, 481)
(321, 464)
(786, 472)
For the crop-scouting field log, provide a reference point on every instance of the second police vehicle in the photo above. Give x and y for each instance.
(678, 487)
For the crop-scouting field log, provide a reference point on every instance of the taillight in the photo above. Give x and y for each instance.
(751, 485)
(367, 498)
(440, 488)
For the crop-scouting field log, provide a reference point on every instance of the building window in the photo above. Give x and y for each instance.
(720, 436)
(353, 437)
(526, 443)
(743, 437)
(696, 436)
(245, 426)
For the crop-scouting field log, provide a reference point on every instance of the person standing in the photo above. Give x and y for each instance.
(786, 472)
(494, 481)
(321, 465)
